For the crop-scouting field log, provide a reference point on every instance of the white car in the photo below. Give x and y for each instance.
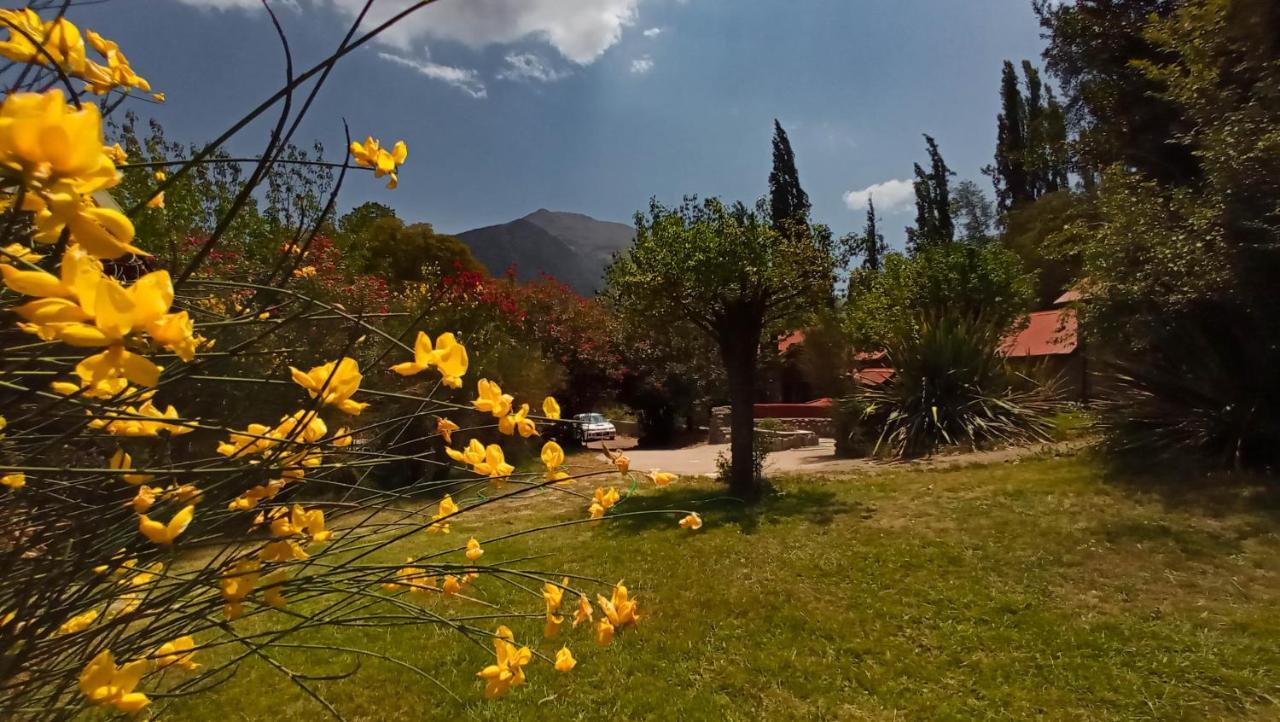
(594, 427)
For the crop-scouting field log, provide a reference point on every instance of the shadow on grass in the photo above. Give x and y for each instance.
(813, 505)
(1216, 494)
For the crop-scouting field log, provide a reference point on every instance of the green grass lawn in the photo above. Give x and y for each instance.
(1032, 590)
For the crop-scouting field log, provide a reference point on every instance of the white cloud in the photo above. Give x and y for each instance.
(642, 65)
(653, 32)
(890, 196)
(579, 30)
(464, 79)
(527, 66)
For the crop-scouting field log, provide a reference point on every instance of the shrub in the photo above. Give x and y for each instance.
(952, 386)
(176, 439)
(855, 437)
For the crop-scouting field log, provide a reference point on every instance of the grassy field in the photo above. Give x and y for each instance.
(1033, 590)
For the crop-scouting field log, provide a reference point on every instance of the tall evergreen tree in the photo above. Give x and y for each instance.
(872, 246)
(1031, 140)
(1010, 173)
(973, 212)
(933, 203)
(788, 203)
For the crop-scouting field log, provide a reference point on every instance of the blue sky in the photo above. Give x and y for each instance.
(593, 106)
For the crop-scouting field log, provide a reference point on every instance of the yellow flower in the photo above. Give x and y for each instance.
(122, 460)
(495, 463)
(552, 628)
(602, 501)
(662, 478)
(474, 551)
(165, 533)
(44, 141)
(78, 623)
(451, 585)
(583, 613)
(14, 480)
(24, 27)
(619, 609)
(237, 584)
(553, 595)
(473, 455)
(103, 232)
(447, 508)
(156, 201)
(185, 494)
(161, 176)
(491, 399)
(370, 154)
(450, 359)
(518, 421)
(619, 460)
(273, 588)
(508, 672)
(103, 683)
(691, 521)
(604, 633)
(158, 97)
(117, 73)
(445, 428)
(84, 307)
(116, 154)
(145, 499)
(177, 652)
(284, 550)
(550, 408)
(19, 252)
(564, 660)
(333, 383)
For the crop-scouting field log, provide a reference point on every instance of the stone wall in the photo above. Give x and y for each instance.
(796, 433)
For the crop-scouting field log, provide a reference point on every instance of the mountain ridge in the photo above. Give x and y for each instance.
(574, 248)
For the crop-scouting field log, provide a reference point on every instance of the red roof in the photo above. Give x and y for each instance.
(790, 340)
(873, 376)
(1070, 296)
(1047, 333)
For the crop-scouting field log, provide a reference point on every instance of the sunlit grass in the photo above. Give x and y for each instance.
(1032, 590)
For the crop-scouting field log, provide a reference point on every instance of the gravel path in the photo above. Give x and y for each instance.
(700, 459)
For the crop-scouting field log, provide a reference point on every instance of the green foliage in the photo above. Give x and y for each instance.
(870, 245)
(1033, 232)
(934, 226)
(973, 212)
(952, 386)
(1031, 140)
(788, 203)
(1118, 111)
(725, 271)
(855, 436)
(400, 253)
(985, 281)
(1182, 266)
(1028, 591)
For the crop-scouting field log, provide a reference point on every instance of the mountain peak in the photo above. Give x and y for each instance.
(572, 247)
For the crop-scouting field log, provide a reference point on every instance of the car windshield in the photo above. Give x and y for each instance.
(592, 419)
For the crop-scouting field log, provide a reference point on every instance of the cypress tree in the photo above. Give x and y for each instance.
(873, 246)
(1009, 174)
(788, 203)
(934, 225)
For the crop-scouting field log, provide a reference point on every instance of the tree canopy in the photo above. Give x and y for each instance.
(727, 272)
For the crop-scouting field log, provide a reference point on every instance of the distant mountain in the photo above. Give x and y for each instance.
(572, 247)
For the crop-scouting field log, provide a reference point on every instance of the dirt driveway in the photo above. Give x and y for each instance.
(700, 459)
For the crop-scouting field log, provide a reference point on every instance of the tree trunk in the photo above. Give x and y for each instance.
(740, 352)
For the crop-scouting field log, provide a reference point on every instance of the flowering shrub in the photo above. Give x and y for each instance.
(160, 490)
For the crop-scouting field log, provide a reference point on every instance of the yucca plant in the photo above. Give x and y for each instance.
(1205, 387)
(952, 386)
